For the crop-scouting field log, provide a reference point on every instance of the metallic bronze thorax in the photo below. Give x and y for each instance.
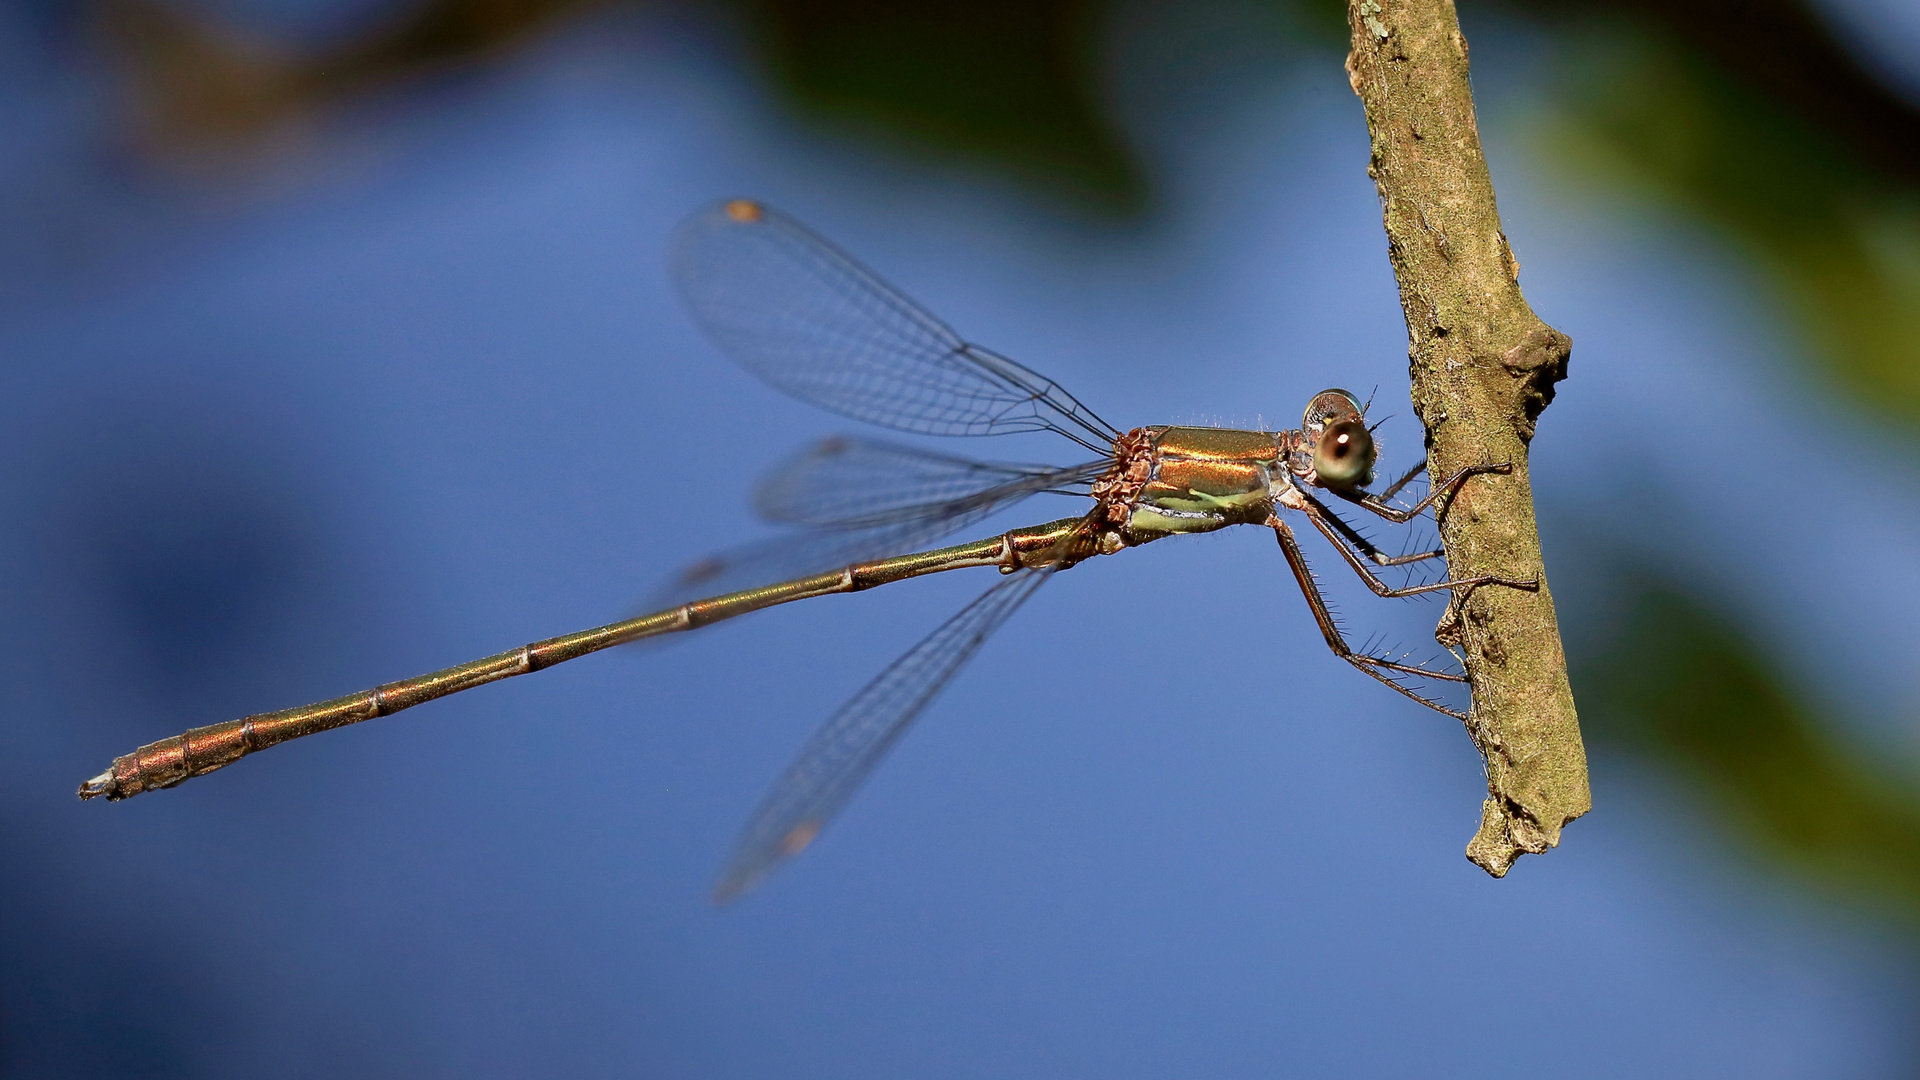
(1168, 480)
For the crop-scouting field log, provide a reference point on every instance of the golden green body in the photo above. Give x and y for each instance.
(1201, 479)
(1164, 480)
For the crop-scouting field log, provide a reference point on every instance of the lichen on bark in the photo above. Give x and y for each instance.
(1483, 367)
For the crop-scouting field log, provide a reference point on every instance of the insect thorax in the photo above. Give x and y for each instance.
(1168, 480)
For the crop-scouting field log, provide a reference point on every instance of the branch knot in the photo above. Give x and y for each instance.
(1540, 359)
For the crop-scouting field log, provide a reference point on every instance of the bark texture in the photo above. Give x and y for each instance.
(1483, 367)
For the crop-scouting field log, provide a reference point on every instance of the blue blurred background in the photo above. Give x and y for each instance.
(339, 347)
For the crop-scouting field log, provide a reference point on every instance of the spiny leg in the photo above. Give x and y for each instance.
(1377, 667)
(1394, 488)
(1366, 546)
(1445, 489)
(1318, 514)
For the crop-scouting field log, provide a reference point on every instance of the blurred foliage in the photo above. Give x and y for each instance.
(197, 85)
(1010, 82)
(1781, 51)
(1821, 189)
(1006, 80)
(1747, 116)
(1684, 688)
(207, 91)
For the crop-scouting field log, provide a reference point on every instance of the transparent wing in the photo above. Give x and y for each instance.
(796, 311)
(844, 482)
(864, 499)
(839, 757)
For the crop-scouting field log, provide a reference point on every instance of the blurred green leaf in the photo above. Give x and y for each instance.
(1005, 80)
(1836, 227)
(1317, 22)
(200, 87)
(1684, 689)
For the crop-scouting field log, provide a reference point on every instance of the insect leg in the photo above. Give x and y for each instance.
(1365, 546)
(1394, 489)
(1377, 667)
(1445, 489)
(1318, 514)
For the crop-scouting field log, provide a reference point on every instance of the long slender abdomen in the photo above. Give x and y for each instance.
(171, 761)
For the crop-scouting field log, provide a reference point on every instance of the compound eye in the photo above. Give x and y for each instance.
(1330, 406)
(1343, 458)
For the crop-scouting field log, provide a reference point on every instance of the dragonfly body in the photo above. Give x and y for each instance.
(202, 750)
(1162, 481)
(1169, 480)
(802, 315)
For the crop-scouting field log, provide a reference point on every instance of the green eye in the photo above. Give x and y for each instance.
(1344, 456)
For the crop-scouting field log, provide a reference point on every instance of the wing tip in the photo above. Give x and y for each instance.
(738, 880)
(752, 864)
(745, 211)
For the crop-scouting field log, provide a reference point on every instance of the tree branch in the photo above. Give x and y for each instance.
(1483, 367)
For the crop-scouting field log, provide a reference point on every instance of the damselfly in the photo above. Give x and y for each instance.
(805, 317)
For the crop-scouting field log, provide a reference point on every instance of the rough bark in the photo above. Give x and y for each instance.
(1483, 367)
